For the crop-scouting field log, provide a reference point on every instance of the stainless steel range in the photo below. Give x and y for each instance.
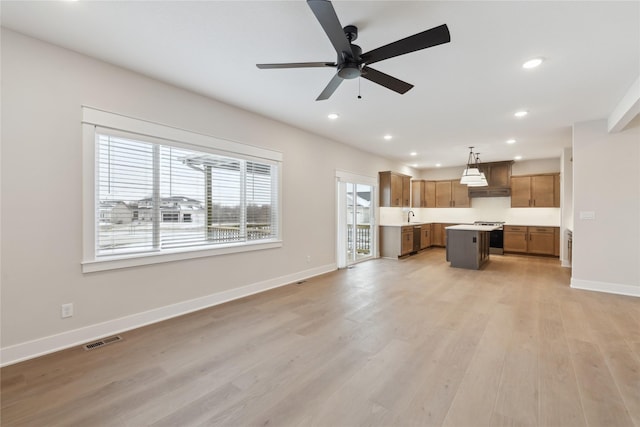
(496, 238)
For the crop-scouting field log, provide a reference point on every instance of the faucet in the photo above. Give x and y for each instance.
(409, 215)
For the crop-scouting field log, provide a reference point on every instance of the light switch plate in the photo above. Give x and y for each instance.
(66, 310)
(587, 215)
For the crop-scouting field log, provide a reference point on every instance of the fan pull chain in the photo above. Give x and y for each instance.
(359, 80)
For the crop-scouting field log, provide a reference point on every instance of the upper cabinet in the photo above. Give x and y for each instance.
(423, 194)
(452, 194)
(498, 176)
(395, 189)
(535, 191)
(556, 190)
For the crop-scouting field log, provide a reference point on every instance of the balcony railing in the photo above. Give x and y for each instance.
(362, 238)
(231, 232)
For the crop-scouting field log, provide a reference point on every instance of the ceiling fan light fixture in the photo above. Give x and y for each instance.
(351, 62)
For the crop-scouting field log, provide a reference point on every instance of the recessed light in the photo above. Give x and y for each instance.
(521, 113)
(333, 116)
(532, 63)
(511, 141)
(413, 153)
(387, 137)
(518, 158)
(415, 165)
(438, 165)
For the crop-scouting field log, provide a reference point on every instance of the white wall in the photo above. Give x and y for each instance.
(43, 87)
(606, 181)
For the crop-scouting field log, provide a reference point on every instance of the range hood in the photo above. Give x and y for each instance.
(499, 178)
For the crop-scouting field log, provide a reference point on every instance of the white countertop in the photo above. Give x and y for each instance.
(473, 227)
(404, 224)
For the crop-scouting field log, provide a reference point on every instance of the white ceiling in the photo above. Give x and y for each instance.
(465, 91)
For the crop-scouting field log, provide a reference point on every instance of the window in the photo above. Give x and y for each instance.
(157, 197)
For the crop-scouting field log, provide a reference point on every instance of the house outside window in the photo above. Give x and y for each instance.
(156, 196)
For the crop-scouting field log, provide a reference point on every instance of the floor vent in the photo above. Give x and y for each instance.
(102, 342)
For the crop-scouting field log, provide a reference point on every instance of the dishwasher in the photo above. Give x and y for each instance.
(417, 234)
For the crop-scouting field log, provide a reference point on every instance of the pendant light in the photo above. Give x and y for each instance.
(482, 182)
(471, 174)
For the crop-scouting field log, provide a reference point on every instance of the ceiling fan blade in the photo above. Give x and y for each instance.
(429, 38)
(331, 87)
(297, 65)
(326, 16)
(386, 80)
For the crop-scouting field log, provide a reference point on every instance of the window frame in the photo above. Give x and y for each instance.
(94, 120)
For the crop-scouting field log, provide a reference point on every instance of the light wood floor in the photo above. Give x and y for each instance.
(386, 343)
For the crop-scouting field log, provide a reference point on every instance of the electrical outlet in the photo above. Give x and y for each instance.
(66, 310)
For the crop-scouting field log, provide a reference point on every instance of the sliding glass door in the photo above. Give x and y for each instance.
(356, 224)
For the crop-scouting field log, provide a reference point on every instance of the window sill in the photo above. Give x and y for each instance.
(125, 261)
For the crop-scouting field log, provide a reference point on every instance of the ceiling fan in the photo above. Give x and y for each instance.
(351, 62)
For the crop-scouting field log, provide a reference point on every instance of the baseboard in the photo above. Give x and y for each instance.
(40, 347)
(611, 288)
(565, 263)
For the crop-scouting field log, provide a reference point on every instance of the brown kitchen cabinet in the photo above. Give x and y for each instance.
(532, 240)
(395, 189)
(436, 235)
(556, 190)
(535, 191)
(541, 240)
(425, 236)
(515, 239)
(498, 174)
(439, 234)
(423, 194)
(407, 240)
(396, 241)
(451, 194)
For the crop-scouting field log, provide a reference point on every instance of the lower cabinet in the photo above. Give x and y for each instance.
(407, 240)
(531, 240)
(396, 241)
(542, 240)
(515, 239)
(425, 236)
(436, 235)
(439, 234)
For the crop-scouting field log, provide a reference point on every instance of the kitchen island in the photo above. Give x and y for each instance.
(468, 245)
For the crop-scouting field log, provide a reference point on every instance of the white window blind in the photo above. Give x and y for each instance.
(154, 197)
